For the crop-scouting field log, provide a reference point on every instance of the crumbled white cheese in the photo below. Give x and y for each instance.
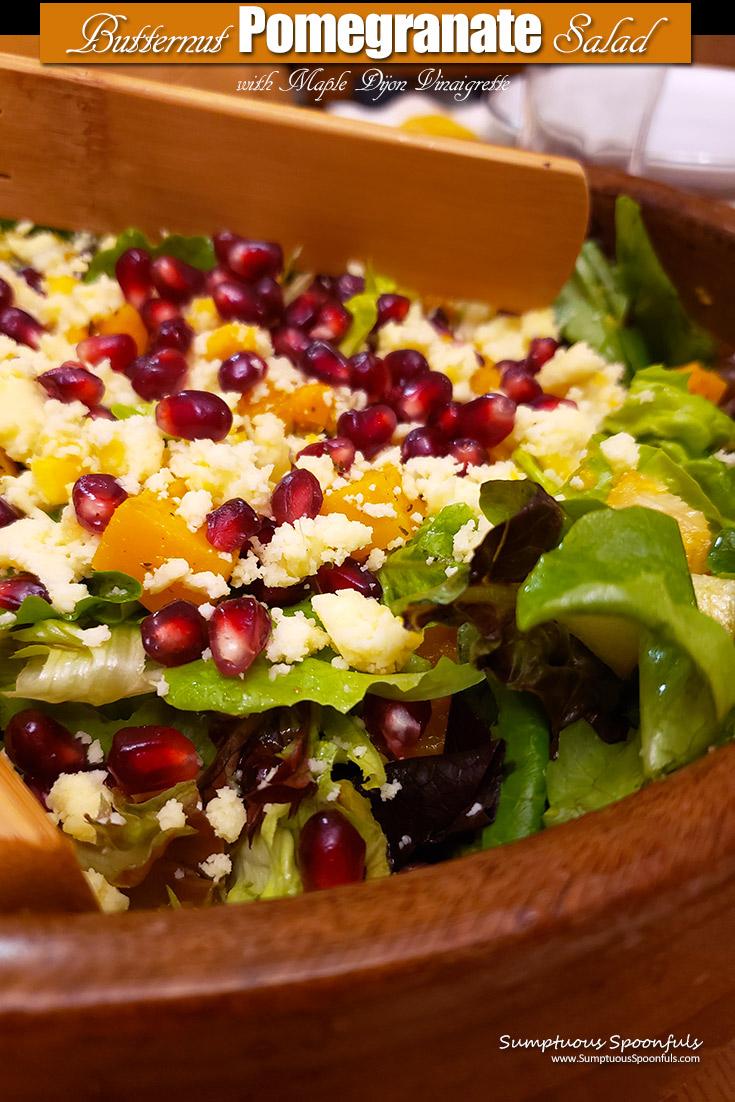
(217, 866)
(294, 637)
(364, 632)
(389, 790)
(194, 507)
(298, 550)
(95, 637)
(621, 452)
(95, 753)
(170, 571)
(226, 814)
(172, 815)
(75, 798)
(111, 900)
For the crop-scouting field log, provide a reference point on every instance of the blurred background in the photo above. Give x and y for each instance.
(670, 123)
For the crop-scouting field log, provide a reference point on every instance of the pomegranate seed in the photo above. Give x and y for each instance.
(392, 308)
(339, 449)
(405, 364)
(469, 452)
(326, 363)
(157, 310)
(216, 276)
(332, 323)
(488, 419)
(331, 852)
(152, 758)
(303, 311)
(34, 279)
(238, 632)
(177, 633)
(173, 333)
(100, 413)
(236, 302)
(95, 498)
(8, 513)
(15, 589)
(231, 526)
(369, 373)
(324, 287)
(396, 724)
(350, 575)
(176, 280)
(548, 402)
(72, 383)
(119, 348)
(280, 597)
(41, 747)
(440, 321)
(349, 285)
(194, 415)
(369, 429)
(291, 343)
(157, 374)
(6, 294)
(242, 371)
(445, 419)
(540, 352)
(520, 385)
(222, 242)
(253, 259)
(419, 397)
(423, 442)
(297, 495)
(19, 325)
(270, 294)
(266, 531)
(133, 273)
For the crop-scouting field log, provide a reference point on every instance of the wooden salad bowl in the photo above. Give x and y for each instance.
(620, 923)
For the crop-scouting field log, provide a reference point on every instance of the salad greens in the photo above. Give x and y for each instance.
(629, 311)
(570, 664)
(197, 251)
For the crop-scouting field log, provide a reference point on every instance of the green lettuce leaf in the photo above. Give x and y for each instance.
(418, 570)
(351, 742)
(364, 310)
(524, 728)
(660, 408)
(199, 686)
(629, 565)
(669, 334)
(197, 251)
(66, 669)
(266, 867)
(113, 597)
(629, 311)
(593, 306)
(721, 558)
(588, 773)
(125, 849)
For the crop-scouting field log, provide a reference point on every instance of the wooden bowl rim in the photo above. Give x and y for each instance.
(593, 875)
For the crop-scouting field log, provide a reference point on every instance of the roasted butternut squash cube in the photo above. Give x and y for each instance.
(309, 408)
(125, 320)
(638, 489)
(377, 499)
(143, 534)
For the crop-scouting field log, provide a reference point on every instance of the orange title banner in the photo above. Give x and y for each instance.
(87, 34)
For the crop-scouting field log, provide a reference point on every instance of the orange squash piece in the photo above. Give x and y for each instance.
(638, 489)
(125, 320)
(381, 488)
(143, 533)
(707, 384)
(309, 408)
(485, 379)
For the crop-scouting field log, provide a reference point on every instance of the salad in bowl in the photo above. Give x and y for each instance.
(306, 580)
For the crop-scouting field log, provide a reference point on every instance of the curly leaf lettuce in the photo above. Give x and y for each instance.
(588, 773)
(199, 686)
(425, 569)
(627, 567)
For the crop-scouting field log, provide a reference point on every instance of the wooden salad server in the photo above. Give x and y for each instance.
(443, 216)
(38, 867)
